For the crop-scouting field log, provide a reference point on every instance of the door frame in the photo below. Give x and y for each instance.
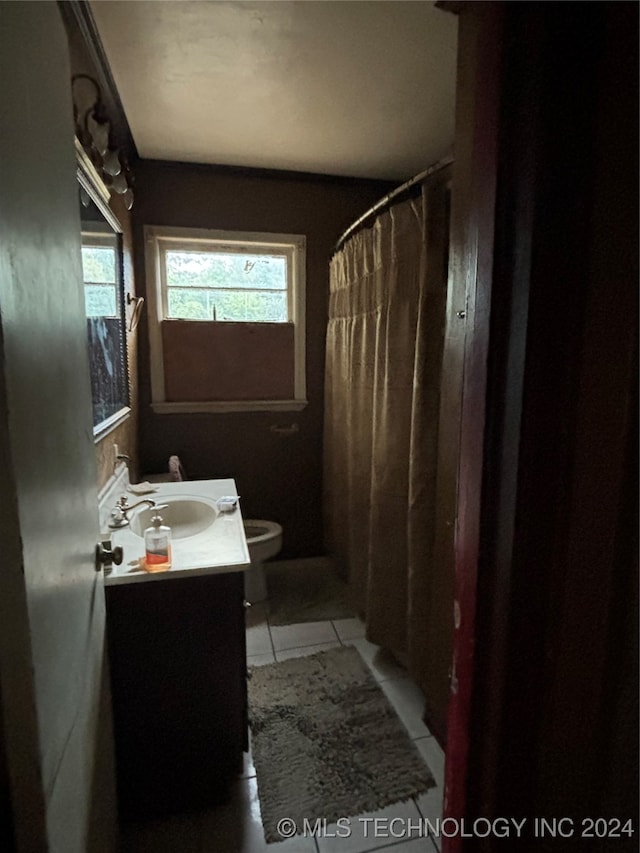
(545, 569)
(471, 264)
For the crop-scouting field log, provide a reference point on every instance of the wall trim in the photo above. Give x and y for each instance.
(228, 406)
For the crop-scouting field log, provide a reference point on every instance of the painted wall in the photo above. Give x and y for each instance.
(279, 478)
(126, 434)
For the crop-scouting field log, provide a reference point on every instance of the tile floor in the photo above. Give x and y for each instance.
(236, 827)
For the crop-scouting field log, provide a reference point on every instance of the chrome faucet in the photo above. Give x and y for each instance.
(119, 517)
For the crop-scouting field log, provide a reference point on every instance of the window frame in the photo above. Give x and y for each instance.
(101, 237)
(229, 247)
(160, 239)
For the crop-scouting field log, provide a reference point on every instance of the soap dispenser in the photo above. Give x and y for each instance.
(157, 544)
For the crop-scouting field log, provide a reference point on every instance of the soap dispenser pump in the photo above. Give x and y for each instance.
(157, 544)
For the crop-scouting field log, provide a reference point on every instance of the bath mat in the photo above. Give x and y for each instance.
(308, 590)
(326, 741)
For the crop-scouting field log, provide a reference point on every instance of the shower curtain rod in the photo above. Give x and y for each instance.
(389, 197)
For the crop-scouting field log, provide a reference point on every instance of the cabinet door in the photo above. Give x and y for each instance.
(179, 690)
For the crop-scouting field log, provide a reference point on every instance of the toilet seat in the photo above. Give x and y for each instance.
(258, 531)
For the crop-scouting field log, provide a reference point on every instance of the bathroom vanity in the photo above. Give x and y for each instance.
(177, 657)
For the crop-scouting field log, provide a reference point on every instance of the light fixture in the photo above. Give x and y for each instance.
(118, 184)
(111, 163)
(99, 132)
(93, 129)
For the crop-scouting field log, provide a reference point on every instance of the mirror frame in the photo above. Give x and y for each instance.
(90, 181)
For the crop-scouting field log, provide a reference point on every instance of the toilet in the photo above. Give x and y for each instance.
(264, 539)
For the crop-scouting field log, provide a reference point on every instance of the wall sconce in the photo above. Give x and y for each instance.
(94, 132)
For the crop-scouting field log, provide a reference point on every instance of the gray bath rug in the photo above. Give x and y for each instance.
(326, 741)
(308, 590)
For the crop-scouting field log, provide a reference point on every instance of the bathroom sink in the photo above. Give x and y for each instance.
(207, 533)
(185, 515)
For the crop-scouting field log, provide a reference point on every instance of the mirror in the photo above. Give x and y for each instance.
(104, 299)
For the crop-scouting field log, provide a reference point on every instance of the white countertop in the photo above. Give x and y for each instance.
(222, 547)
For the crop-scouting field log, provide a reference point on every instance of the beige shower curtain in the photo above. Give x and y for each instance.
(384, 353)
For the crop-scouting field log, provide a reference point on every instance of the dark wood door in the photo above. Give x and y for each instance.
(543, 714)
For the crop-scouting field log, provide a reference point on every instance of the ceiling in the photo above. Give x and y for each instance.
(364, 89)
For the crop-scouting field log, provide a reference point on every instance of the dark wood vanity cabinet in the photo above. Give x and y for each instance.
(178, 683)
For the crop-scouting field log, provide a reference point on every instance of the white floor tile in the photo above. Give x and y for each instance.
(349, 629)
(303, 651)
(389, 826)
(433, 754)
(430, 806)
(302, 634)
(258, 640)
(256, 614)
(381, 662)
(260, 660)
(408, 701)
(248, 767)
(236, 827)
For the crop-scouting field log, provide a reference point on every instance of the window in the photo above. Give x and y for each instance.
(226, 315)
(226, 285)
(99, 274)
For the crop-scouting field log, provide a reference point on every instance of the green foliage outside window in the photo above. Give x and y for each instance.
(99, 275)
(100, 300)
(226, 286)
(99, 264)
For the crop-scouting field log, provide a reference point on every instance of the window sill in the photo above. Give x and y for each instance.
(224, 406)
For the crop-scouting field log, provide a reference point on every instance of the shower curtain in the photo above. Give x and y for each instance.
(382, 390)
